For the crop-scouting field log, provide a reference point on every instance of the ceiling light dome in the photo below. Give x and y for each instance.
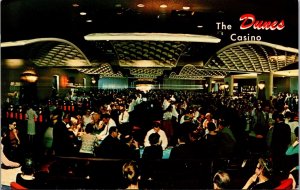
(29, 76)
(141, 5)
(163, 6)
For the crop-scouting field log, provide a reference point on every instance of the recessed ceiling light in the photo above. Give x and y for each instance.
(82, 13)
(75, 5)
(118, 5)
(186, 8)
(199, 26)
(152, 37)
(89, 20)
(14, 63)
(163, 6)
(141, 5)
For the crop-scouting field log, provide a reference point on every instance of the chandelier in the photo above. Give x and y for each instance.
(29, 76)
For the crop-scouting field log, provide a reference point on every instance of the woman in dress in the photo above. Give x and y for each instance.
(261, 177)
(31, 116)
(167, 125)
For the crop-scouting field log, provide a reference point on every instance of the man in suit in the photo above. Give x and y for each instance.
(183, 150)
(111, 147)
(61, 144)
(281, 139)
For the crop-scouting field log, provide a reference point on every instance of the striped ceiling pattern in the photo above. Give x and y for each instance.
(252, 56)
(150, 59)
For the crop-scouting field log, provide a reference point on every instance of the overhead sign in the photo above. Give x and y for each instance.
(247, 22)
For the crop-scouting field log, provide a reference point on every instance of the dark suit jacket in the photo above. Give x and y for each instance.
(182, 151)
(61, 143)
(153, 152)
(281, 138)
(109, 148)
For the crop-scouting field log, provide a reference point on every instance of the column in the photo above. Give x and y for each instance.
(267, 78)
(230, 81)
(294, 84)
(208, 84)
(216, 87)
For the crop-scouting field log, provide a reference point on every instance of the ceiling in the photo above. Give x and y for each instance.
(178, 39)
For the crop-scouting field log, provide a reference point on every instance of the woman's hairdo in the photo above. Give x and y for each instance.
(221, 179)
(28, 167)
(131, 172)
(266, 165)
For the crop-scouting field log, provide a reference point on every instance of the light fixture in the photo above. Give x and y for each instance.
(163, 6)
(82, 13)
(135, 36)
(206, 85)
(89, 20)
(261, 84)
(144, 87)
(226, 85)
(140, 5)
(93, 80)
(29, 76)
(186, 8)
(14, 63)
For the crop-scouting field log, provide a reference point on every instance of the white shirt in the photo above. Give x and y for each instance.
(293, 125)
(111, 123)
(163, 140)
(166, 104)
(174, 112)
(87, 119)
(167, 116)
(131, 106)
(8, 175)
(284, 111)
(124, 117)
(196, 115)
(205, 122)
(182, 119)
(139, 99)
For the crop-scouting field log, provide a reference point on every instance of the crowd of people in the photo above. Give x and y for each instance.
(194, 125)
